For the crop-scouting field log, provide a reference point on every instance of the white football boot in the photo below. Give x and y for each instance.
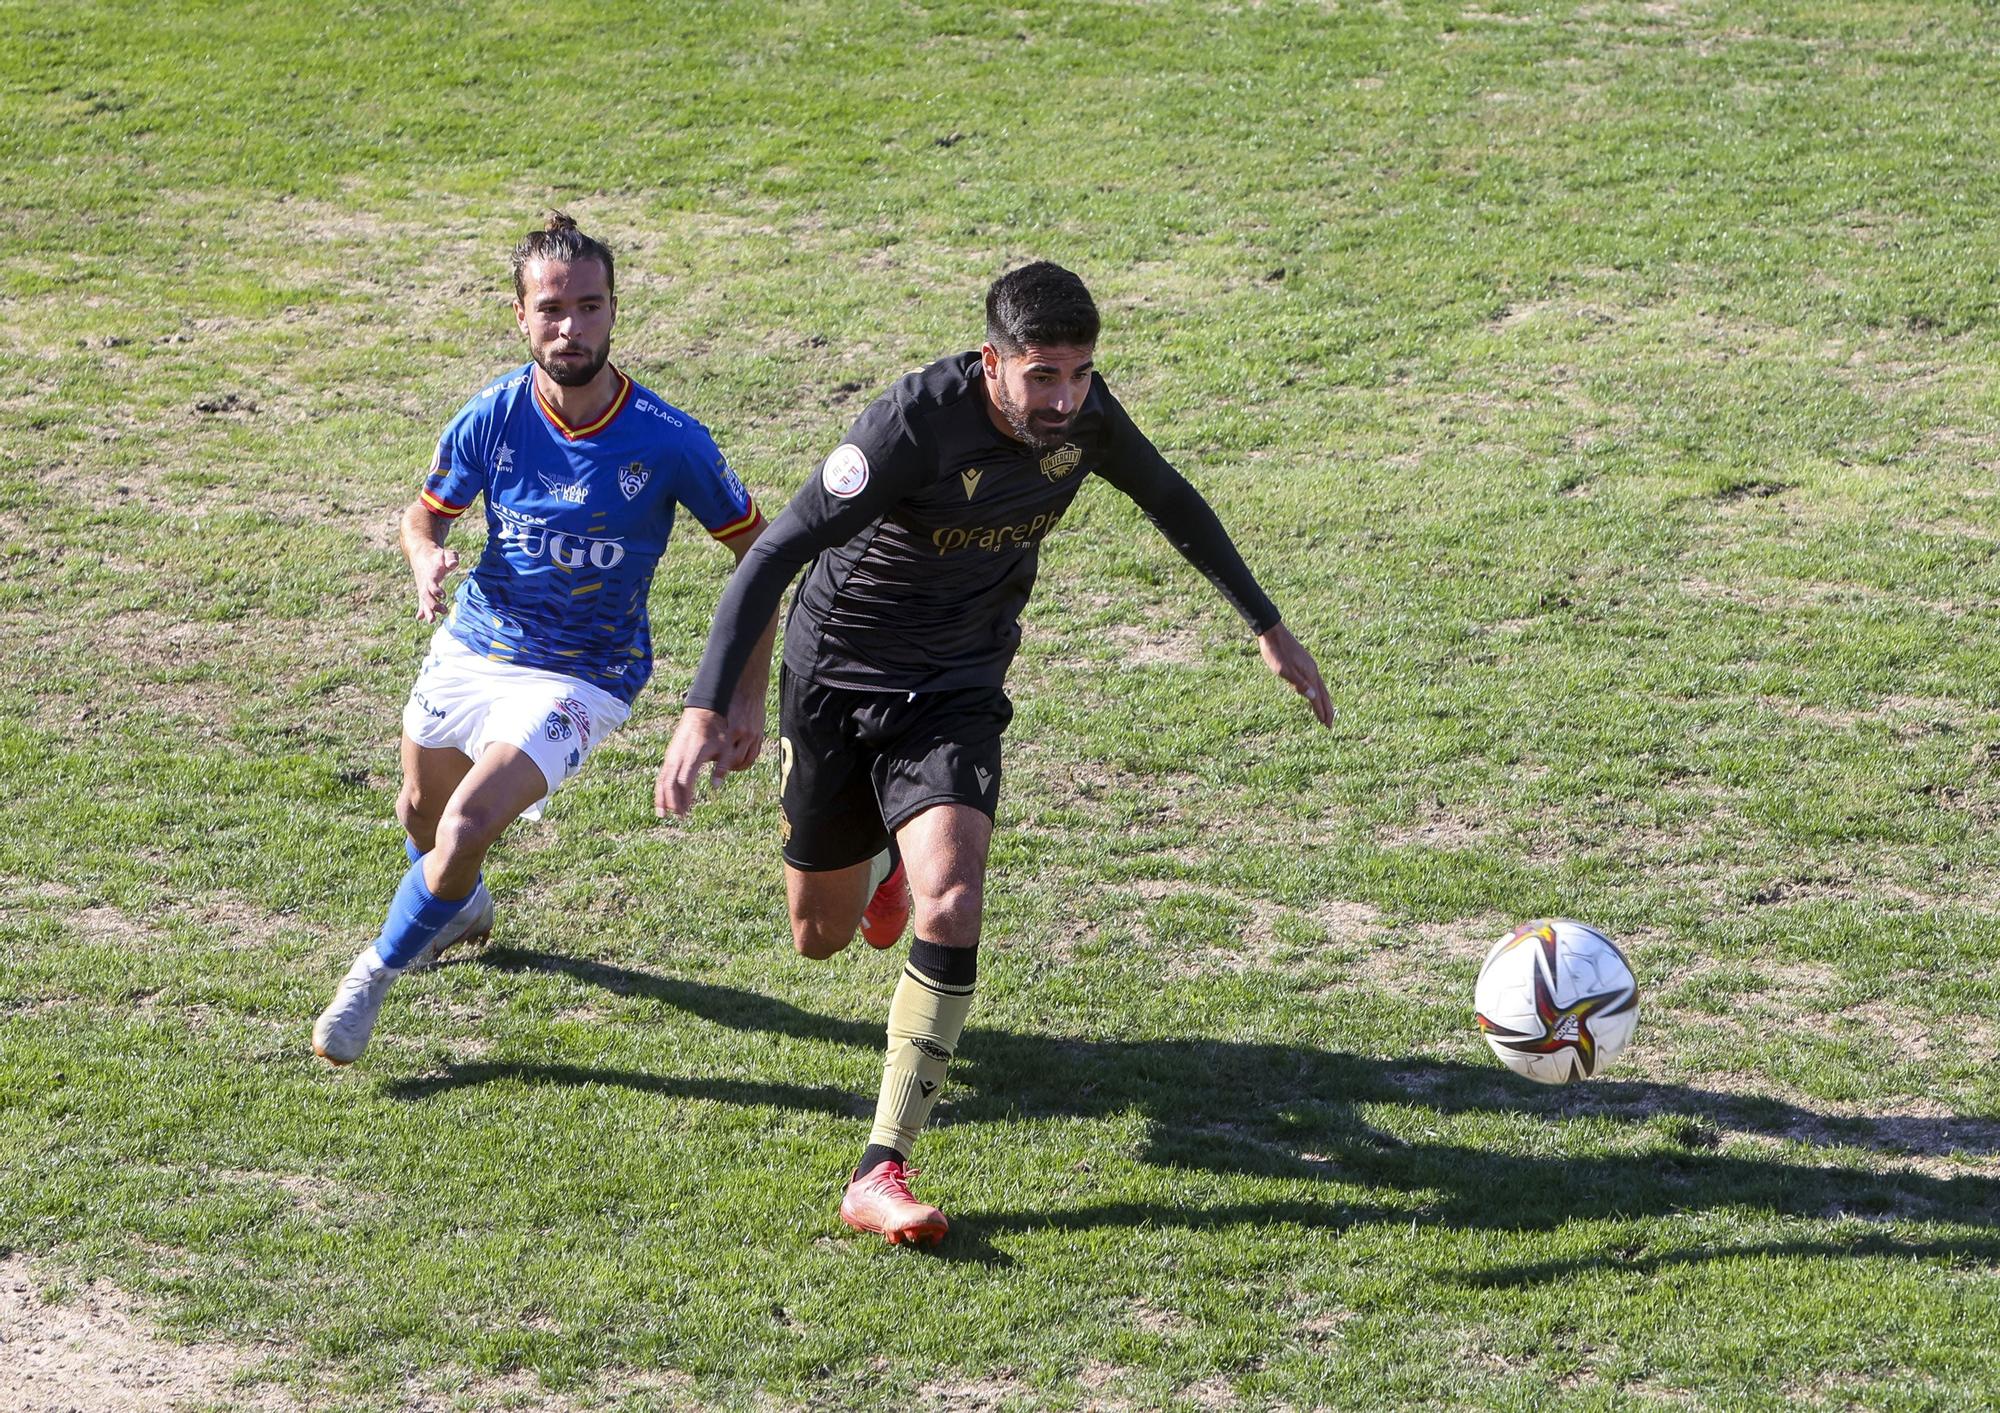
(340, 1035)
(472, 925)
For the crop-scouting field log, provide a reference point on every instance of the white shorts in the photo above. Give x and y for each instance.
(467, 702)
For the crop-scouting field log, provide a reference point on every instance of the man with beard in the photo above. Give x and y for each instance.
(923, 529)
(548, 642)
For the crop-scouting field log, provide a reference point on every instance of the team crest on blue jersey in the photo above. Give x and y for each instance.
(632, 479)
(574, 492)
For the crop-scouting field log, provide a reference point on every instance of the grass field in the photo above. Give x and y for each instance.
(1607, 392)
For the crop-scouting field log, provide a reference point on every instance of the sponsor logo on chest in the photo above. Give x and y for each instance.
(571, 492)
(995, 538)
(532, 539)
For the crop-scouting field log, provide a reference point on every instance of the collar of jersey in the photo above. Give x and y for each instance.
(578, 433)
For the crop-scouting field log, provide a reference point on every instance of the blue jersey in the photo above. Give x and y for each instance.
(576, 520)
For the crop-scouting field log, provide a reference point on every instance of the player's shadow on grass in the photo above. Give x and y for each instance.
(1966, 1253)
(1284, 1111)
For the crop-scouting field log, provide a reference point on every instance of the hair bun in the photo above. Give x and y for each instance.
(561, 241)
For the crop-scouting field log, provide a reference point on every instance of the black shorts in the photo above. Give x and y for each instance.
(855, 766)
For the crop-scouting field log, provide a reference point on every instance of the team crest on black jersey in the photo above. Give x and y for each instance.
(632, 479)
(1060, 462)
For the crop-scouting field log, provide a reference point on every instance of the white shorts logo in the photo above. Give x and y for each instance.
(467, 702)
(845, 473)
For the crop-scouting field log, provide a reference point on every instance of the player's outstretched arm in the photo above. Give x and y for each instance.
(1287, 656)
(700, 739)
(430, 562)
(747, 714)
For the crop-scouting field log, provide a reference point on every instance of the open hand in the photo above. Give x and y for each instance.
(431, 566)
(702, 737)
(1287, 656)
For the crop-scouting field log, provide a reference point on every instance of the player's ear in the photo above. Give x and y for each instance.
(521, 316)
(989, 360)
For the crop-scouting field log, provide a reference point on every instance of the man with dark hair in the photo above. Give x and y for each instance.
(549, 641)
(923, 528)
(559, 242)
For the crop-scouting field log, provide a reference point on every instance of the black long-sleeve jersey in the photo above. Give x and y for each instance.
(925, 529)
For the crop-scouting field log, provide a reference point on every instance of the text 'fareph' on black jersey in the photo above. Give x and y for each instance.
(924, 529)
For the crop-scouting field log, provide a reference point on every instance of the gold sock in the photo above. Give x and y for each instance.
(925, 1019)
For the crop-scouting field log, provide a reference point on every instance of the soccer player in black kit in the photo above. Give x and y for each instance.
(923, 530)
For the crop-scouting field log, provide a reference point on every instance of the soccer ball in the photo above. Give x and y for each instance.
(1556, 1000)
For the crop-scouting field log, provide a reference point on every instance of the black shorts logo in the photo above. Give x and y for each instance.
(784, 778)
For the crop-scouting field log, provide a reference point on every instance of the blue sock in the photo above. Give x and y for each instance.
(415, 917)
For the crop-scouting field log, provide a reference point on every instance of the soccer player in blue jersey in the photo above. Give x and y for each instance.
(548, 643)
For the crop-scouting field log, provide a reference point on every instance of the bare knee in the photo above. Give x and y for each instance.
(951, 916)
(418, 814)
(825, 908)
(812, 939)
(466, 831)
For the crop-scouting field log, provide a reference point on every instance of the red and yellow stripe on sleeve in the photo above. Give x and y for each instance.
(436, 506)
(749, 520)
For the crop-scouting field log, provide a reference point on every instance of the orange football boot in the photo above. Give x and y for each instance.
(888, 912)
(880, 1201)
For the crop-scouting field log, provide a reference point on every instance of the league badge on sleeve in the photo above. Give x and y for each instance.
(845, 473)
